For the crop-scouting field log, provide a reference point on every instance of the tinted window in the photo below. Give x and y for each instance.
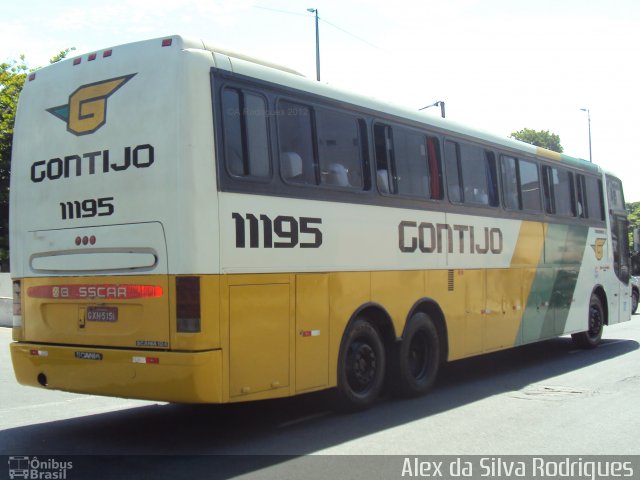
(385, 176)
(559, 192)
(478, 183)
(614, 192)
(295, 140)
(520, 184)
(595, 204)
(510, 183)
(246, 142)
(435, 172)
(339, 149)
(454, 187)
(582, 209)
(412, 168)
(407, 162)
(529, 185)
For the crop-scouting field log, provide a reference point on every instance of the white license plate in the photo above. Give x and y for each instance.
(102, 314)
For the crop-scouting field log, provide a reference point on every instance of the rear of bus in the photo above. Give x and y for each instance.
(113, 157)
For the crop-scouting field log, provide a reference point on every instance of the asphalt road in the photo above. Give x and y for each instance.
(547, 398)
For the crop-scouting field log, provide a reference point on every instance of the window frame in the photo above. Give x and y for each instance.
(486, 152)
(520, 196)
(392, 160)
(550, 192)
(242, 92)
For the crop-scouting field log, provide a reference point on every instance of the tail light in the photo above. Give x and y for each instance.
(17, 304)
(188, 304)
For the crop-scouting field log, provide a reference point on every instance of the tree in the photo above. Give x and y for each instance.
(12, 77)
(542, 138)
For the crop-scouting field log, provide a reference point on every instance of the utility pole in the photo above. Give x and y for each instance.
(315, 10)
(589, 120)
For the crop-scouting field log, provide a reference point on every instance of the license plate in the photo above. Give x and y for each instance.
(102, 314)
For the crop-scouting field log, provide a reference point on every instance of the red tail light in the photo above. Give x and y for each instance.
(188, 304)
(103, 292)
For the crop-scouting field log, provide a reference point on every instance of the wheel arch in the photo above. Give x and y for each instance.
(602, 295)
(378, 316)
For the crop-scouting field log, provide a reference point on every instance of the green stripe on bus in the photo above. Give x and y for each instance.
(551, 295)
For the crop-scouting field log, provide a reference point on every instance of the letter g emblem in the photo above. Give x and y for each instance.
(86, 111)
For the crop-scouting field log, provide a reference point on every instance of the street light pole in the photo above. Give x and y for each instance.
(315, 10)
(589, 120)
(439, 103)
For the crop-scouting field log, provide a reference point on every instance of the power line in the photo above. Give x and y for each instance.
(350, 34)
(322, 20)
(280, 11)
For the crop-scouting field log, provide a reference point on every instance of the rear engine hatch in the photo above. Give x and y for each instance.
(104, 286)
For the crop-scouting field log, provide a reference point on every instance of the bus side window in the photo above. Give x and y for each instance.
(385, 176)
(558, 191)
(547, 184)
(594, 198)
(491, 172)
(411, 166)
(529, 183)
(339, 149)
(407, 162)
(479, 177)
(295, 139)
(435, 172)
(454, 183)
(581, 190)
(246, 141)
(520, 184)
(509, 170)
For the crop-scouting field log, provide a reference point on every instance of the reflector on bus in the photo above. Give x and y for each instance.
(188, 304)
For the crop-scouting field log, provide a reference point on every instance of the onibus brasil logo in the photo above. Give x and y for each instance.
(34, 468)
(86, 111)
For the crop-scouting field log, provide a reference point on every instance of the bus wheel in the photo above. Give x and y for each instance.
(361, 366)
(592, 337)
(418, 356)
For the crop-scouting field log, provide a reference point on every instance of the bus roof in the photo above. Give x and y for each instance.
(275, 73)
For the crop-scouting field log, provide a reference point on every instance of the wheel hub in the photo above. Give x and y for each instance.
(362, 366)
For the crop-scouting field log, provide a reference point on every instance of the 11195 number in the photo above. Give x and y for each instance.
(282, 231)
(92, 207)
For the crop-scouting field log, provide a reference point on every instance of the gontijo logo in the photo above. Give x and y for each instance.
(598, 247)
(86, 111)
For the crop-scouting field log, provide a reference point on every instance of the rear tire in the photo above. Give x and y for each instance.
(593, 336)
(634, 301)
(418, 356)
(361, 366)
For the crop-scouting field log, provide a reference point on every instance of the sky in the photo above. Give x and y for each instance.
(499, 65)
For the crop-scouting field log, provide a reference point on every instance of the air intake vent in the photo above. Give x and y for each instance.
(450, 284)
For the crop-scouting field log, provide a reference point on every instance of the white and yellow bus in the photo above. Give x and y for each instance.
(189, 224)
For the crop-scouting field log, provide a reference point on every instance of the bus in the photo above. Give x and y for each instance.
(190, 224)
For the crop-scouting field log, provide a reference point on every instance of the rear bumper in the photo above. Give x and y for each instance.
(184, 377)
